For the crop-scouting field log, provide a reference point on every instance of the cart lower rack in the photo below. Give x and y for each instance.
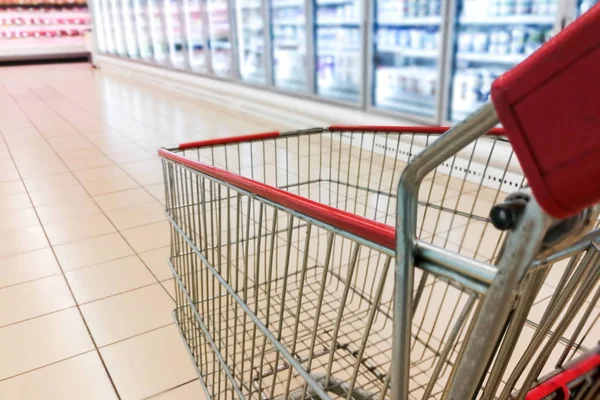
(283, 249)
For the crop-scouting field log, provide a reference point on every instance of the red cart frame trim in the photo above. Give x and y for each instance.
(560, 381)
(376, 232)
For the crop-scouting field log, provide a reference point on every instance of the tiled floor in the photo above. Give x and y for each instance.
(85, 290)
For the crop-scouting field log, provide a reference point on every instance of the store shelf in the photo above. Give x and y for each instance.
(287, 3)
(509, 20)
(289, 22)
(333, 52)
(416, 21)
(337, 23)
(403, 51)
(492, 58)
(333, 2)
(42, 48)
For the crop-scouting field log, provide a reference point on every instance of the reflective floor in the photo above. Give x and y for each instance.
(85, 289)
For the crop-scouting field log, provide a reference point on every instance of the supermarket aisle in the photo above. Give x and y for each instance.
(85, 290)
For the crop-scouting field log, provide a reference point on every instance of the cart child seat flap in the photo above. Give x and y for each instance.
(550, 108)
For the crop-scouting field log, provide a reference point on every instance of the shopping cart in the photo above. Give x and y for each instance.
(364, 262)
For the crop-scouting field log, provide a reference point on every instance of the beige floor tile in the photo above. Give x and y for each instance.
(157, 260)
(169, 286)
(79, 229)
(109, 185)
(68, 210)
(122, 199)
(40, 169)
(14, 201)
(92, 251)
(106, 279)
(18, 241)
(58, 195)
(57, 181)
(26, 267)
(148, 237)
(79, 154)
(138, 215)
(129, 314)
(189, 391)
(158, 191)
(18, 219)
(42, 341)
(93, 174)
(34, 298)
(8, 172)
(81, 377)
(130, 155)
(87, 163)
(149, 364)
(11, 187)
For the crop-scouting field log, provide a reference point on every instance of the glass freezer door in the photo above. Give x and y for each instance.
(407, 53)
(101, 36)
(490, 38)
(142, 24)
(194, 19)
(129, 28)
(251, 40)
(219, 33)
(584, 5)
(157, 31)
(288, 30)
(338, 27)
(174, 33)
(106, 16)
(114, 7)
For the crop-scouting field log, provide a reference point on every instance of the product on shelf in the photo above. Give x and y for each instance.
(503, 8)
(390, 10)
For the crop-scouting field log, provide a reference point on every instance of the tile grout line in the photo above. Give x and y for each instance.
(92, 198)
(54, 253)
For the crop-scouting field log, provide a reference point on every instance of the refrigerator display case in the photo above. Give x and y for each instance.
(195, 28)
(157, 31)
(142, 26)
(251, 41)
(338, 50)
(407, 56)
(219, 34)
(289, 41)
(174, 30)
(492, 36)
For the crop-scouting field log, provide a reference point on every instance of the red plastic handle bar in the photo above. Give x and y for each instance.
(228, 140)
(549, 106)
(432, 130)
(376, 232)
(561, 381)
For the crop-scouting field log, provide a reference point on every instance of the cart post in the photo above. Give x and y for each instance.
(406, 225)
